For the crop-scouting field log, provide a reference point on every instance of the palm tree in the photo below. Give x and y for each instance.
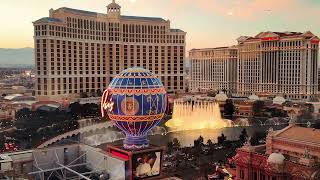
(200, 139)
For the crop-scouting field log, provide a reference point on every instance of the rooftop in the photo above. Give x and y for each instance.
(12, 96)
(78, 11)
(142, 18)
(301, 134)
(176, 30)
(283, 34)
(280, 34)
(90, 13)
(286, 34)
(216, 48)
(48, 20)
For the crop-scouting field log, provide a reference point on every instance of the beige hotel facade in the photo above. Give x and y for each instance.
(213, 69)
(268, 64)
(79, 51)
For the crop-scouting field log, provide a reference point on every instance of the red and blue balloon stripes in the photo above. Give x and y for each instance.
(136, 102)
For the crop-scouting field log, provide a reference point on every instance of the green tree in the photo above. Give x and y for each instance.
(257, 137)
(84, 95)
(211, 94)
(99, 93)
(176, 144)
(170, 146)
(310, 107)
(93, 94)
(75, 109)
(278, 113)
(90, 110)
(197, 149)
(23, 112)
(229, 108)
(316, 125)
(209, 143)
(187, 89)
(200, 139)
(257, 107)
(25, 118)
(306, 113)
(221, 139)
(196, 143)
(243, 136)
(2, 141)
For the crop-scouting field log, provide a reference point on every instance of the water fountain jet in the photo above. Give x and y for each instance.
(190, 115)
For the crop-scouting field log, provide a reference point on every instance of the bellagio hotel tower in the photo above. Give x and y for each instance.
(79, 51)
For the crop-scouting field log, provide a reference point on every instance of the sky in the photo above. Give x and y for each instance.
(208, 23)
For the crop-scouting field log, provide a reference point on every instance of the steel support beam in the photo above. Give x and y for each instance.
(75, 172)
(58, 168)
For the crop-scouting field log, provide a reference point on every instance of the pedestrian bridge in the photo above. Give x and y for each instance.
(92, 128)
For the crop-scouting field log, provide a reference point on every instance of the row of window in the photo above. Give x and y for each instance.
(98, 31)
(68, 57)
(214, 54)
(90, 84)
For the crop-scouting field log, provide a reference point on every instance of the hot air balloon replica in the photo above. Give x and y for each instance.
(135, 102)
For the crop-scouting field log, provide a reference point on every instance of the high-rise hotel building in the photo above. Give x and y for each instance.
(279, 63)
(269, 64)
(213, 69)
(79, 51)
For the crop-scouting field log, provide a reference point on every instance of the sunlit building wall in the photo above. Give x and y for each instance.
(213, 69)
(279, 63)
(79, 51)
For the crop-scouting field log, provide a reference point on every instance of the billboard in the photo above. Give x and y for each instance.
(146, 164)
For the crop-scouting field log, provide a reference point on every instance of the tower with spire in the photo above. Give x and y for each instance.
(114, 10)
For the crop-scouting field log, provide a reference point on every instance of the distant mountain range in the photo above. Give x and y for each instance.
(16, 57)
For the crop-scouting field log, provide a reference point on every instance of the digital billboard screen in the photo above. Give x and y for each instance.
(146, 164)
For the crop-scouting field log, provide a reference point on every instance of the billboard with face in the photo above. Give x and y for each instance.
(146, 164)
